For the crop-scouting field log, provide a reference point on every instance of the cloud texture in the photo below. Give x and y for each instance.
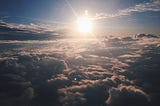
(109, 71)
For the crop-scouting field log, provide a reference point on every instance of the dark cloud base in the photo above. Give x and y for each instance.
(65, 72)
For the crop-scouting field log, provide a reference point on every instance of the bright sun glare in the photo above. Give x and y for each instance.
(84, 23)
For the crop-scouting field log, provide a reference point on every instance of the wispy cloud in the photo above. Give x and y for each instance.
(142, 7)
(34, 28)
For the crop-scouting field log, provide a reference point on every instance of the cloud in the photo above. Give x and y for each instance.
(37, 27)
(77, 73)
(127, 96)
(95, 92)
(12, 31)
(146, 36)
(72, 99)
(142, 7)
(15, 89)
(60, 81)
(36, 64)
(25, 78)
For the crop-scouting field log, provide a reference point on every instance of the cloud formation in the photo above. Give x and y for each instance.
(127, 95)
(142, 7)
(66, 72)
(12, 31)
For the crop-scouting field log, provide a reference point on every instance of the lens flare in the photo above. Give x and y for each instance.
(84, 24)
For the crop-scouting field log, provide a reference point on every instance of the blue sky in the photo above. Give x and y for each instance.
(112, 16)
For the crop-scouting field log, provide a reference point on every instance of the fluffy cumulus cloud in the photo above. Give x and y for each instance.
(142, 7)
(127, 95)
(21, 78)
(15, 89)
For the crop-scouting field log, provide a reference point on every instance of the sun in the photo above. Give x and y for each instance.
(84, 24)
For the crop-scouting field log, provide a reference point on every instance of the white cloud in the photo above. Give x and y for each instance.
(142, 7)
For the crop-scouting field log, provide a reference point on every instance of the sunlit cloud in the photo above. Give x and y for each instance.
(36, 28)
(129, 93)
(153, 6)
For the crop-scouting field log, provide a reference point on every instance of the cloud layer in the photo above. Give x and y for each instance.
(107, 71)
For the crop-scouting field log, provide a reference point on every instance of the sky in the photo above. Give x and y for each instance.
(117, 17)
